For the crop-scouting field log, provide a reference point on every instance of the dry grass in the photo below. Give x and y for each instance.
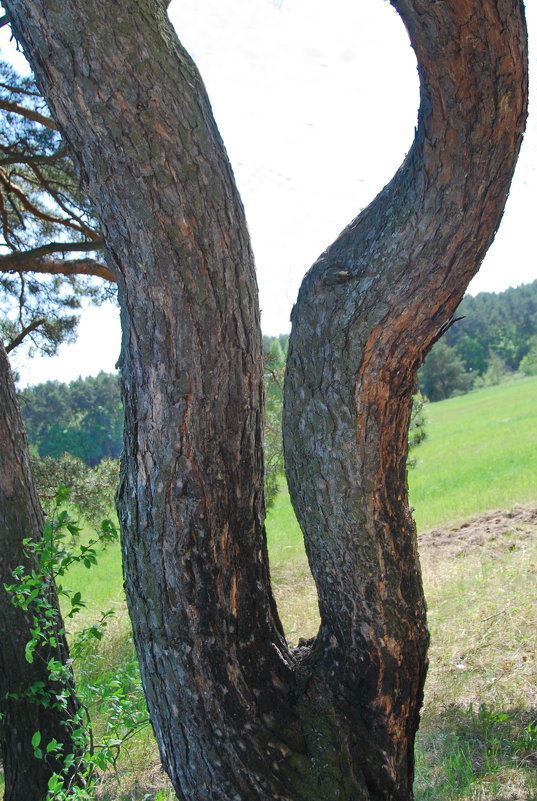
(478, 738)
(296, 597)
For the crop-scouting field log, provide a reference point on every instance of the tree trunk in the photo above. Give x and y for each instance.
(24, 713)
(238, 715)
(367, 313)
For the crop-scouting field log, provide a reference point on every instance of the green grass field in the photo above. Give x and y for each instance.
(478, 739)
(480, 454)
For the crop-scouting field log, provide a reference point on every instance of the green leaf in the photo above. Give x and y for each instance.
(54, 745)
(73, 529)
(55, 783)
(76, 599)
(29, 651)
(114, 742)
(36, 739)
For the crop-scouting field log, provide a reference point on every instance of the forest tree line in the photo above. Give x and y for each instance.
(496, 337)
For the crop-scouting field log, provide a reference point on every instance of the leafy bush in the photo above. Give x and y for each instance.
(91, 489)
(528, 364)
(496, 372)
(116, 693)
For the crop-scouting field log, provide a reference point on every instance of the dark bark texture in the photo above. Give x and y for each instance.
(26, 778)
(238, 714)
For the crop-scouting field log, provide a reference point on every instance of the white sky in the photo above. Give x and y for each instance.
(316, 103)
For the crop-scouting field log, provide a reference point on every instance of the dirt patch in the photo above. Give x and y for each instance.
(496, 531)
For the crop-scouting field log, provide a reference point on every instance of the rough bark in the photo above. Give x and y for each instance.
(367, 313)
(26, 778)
(238, 715)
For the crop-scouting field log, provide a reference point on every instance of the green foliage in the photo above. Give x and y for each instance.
(528, 364)
(83, 418)
(496, 372)
(443, 373)
(487, 345)
(53, 556)
(113, 693)
(43, 210)
(274, 372)
(92, 489)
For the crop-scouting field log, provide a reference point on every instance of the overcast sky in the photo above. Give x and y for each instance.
(317, 104)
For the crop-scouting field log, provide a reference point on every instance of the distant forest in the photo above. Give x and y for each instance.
(495, 339)
(83, 418)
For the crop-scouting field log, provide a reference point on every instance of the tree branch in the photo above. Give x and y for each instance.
(63, 267)
(51, 247)
(31, 207)
(32, 261)
(29, 113)
(23, 334)
(43, 182)
(18, 89)
(13, 157)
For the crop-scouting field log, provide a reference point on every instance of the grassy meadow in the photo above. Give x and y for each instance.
(480, 454)
(478, 739)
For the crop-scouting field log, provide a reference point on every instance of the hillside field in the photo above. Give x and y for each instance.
(480, 454)
(478, 738)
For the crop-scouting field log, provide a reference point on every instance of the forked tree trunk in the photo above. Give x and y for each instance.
(24, 687)
(238, 714)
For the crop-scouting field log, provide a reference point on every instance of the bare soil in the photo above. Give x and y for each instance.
(495, 532)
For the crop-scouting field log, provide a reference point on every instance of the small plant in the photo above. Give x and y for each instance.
(471, 747)
(417, 430)
(51, 558)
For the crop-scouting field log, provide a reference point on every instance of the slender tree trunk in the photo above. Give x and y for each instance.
(23, 686)
(238, 715)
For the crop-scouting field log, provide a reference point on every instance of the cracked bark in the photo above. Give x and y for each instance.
(238, 714)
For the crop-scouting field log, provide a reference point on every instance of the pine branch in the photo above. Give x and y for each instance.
(32, 261)
(12, 157)
(33, 209)
(29, 113)
(18, 90)
(23, 334)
